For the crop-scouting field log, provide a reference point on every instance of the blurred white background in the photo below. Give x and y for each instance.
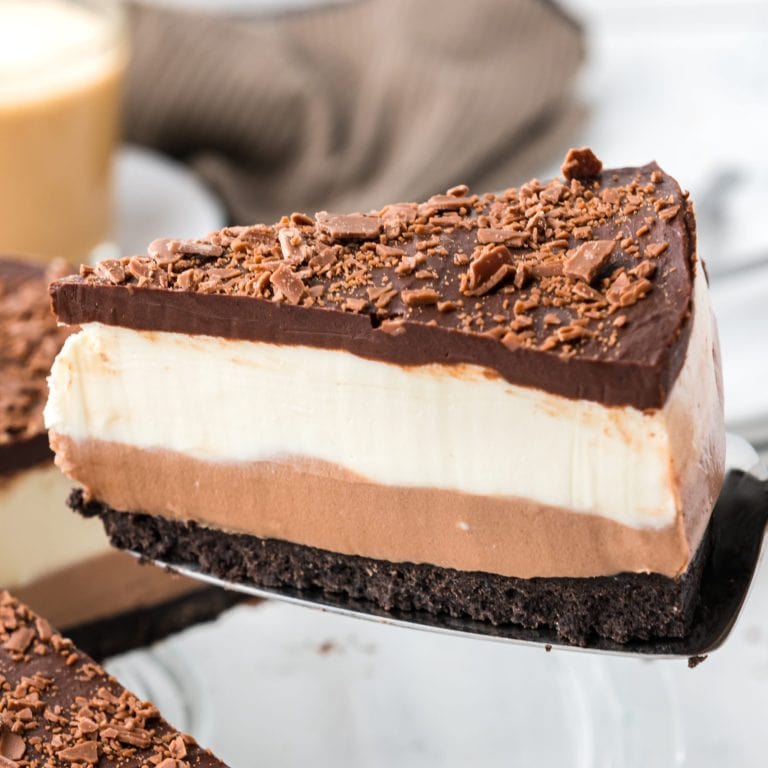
(686, 83)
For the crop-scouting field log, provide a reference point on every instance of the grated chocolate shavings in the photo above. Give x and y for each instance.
(29, 340)
(581, 164)
(420, 297)
(356, 226)
(584, 262)
(669, 213)
(656, 249)
(53, 713)
(508, 237)
(574, 251)
(12, 746)
(288, 283)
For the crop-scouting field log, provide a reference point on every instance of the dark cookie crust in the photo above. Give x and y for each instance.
(624, 607)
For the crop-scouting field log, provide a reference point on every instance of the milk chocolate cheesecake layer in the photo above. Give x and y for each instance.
(524, 385)
(60, 708)
(47, 556)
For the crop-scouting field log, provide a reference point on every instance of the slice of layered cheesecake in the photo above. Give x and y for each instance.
(502, 406)
(63, 567)
(59, 708)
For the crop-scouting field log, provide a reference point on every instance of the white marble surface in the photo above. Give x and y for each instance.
(279, 685)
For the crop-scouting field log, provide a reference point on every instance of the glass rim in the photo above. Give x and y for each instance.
(110, 37)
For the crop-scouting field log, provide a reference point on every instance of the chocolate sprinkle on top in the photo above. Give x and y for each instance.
(461, 264)
(59, 708)
(581, 164)
(584, 262)
(29, 340)
(356, 226)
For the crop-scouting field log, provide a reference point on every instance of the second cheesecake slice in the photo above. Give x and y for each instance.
(500, 406)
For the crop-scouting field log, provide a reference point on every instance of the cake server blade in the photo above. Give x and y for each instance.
(738, 525)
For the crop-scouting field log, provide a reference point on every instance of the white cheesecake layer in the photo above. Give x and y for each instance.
(39, 534)
(458, 428)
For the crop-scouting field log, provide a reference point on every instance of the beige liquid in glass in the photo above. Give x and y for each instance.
(60, 70)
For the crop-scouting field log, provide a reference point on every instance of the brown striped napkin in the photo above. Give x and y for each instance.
(346, 107)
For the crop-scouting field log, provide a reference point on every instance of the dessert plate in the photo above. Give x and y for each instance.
(738, 525)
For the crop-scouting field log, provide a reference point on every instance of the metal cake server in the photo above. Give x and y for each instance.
(739, 523)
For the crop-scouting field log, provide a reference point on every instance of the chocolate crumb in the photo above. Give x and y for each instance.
(583, 233)
(111, 270)
(12, 746)
(84, 752)
(292, 246)
(694, 661)
(355, 305)
(420, 297)
(393, 327)
(19, 640)
(53, 714)
(617, 288)
(509, 237)
(288, 283)
(655, 250)
(521, 275)
(487, 270)
(356, 226)
(547, 269)
(581, 164)
(586, 261)
(178, 748)
(163, 252)
(389, 252)
(667, 214)
(511, 340)
(438, 203)
(326, 647)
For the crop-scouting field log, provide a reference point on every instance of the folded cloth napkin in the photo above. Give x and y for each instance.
(349, 106)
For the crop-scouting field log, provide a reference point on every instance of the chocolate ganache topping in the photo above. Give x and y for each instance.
(29, 341)
(581, 286)
(59, 708)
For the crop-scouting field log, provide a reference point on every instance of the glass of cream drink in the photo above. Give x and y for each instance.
(61, 63)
